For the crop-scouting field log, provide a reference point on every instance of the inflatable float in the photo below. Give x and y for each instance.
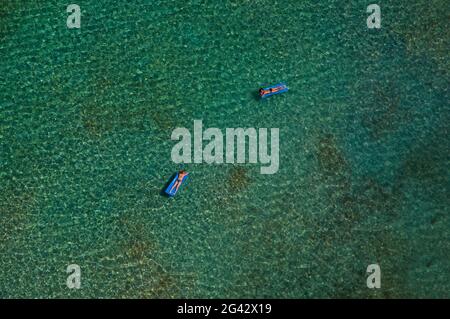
(176, 182)
(272, 90)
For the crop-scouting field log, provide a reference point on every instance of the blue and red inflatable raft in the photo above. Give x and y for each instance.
(273, 90)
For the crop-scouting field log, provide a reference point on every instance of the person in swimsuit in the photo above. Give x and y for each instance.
(181, 175)
(263, 92)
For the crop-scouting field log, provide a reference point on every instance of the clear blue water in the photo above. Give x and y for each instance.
(85, 122)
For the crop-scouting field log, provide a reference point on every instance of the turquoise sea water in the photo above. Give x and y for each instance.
(85, 122)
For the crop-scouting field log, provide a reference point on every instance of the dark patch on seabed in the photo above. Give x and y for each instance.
(238, 179)
(350, 206)
(15, 212)
(388, 115)
(427, 166)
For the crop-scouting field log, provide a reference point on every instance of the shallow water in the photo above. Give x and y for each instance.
(85, 123)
